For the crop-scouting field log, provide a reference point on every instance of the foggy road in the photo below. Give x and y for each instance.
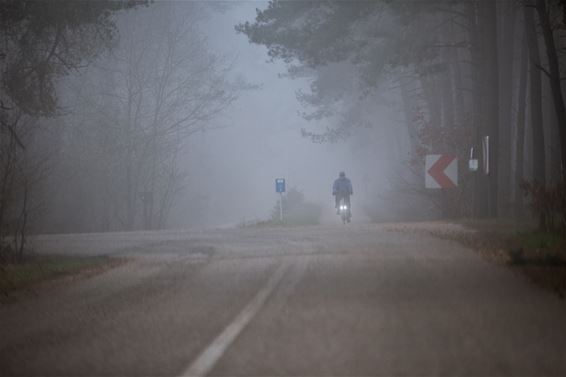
(318, 301)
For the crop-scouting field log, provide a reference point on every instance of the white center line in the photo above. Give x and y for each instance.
(208, 358)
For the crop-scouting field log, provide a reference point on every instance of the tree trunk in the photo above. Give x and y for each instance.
(508, 16)
(21, 232)
(409, 108)
(551, 136)
(459, 106)
(539, 160)
(520, 137)
(447, 97)
(446, 81)
(431, 99)
(480, 193)
(554, 77)
(490, 77)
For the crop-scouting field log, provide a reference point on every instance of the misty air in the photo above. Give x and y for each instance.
(282, 188)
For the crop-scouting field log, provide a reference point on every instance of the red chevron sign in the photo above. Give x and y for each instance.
(441, 171)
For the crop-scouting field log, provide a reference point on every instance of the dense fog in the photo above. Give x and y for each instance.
(258, 138)
(173, 114)
(226, 157)
(282, 187)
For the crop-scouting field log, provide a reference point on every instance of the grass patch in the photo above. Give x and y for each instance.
(504, 226)
(35, 270)
(537, 240)
(540, 256)
(290, 223)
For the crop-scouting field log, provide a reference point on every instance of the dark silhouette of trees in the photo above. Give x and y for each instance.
(41, 42)
(456, 65)
(132, 113)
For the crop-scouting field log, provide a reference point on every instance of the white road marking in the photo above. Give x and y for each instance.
(208, 358)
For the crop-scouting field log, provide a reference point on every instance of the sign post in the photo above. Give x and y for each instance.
(485, 150)
(280, 188)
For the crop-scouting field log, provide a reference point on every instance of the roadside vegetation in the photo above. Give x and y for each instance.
(36, 270)
(539, 255)
(297, 211)
(69, 69)
(468, 77)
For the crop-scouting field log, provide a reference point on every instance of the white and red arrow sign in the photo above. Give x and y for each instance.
(441, 171)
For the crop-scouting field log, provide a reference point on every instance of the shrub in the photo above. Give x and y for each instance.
(548, 204)
(297, 211)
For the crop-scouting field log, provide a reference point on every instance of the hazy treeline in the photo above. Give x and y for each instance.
(97, 99)
(41, 42)
(461, 70)
(131, 113)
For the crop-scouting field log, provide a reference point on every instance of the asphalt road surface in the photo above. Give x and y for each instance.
(317, 301)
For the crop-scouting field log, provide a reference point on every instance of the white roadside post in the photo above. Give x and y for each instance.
(280, 188)
(281, 206)
(485, 150)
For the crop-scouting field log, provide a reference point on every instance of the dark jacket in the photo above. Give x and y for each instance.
(342, 186)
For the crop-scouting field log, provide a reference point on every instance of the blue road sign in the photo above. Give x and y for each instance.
(280, 185)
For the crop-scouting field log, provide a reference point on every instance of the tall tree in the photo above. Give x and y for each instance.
(392, 38)
(553, 74)
(45, 40)
(507, 14)
(41, 42)
(538, 147)
(488, 13)
(520, 133)
(134, 110)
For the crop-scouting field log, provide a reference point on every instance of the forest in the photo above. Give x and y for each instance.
(99, 98)
(477, 79)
